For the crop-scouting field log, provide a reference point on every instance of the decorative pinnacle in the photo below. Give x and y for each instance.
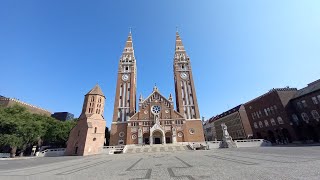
(155, 87)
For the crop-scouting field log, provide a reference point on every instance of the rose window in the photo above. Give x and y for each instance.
(156, 109)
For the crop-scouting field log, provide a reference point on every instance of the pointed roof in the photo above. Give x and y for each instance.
(179, 45)
(129, 45)
(96, 90)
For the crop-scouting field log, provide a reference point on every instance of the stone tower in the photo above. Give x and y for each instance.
(125, 98)
(186, 99)
(87, 137)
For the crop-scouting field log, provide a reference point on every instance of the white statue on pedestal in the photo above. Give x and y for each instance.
(226, 138)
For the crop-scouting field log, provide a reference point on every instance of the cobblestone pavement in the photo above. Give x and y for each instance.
(241, 163)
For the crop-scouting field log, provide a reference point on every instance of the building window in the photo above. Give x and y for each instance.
(134, 124)
(273, 122)
(272, 110)
(252, 114)
(191, 131)
(79, 133)
(315, 114)
(280, 121)
(305, 117)
(266, 123)
(275, 108)
(260, 113)
(299, 105)
(318, 97)
(121, 134)
(314, 100)
(266, 112)
(255, 125)
(260, 124)
(179, 122)
(295, 118)
(304, 103)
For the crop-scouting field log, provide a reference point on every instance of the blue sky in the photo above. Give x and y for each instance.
(53, 52)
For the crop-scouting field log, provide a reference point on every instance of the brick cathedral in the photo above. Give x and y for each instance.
(155, 121)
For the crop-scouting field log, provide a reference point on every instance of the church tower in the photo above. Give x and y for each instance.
(125, 98)
(186, 99)
(87, 137)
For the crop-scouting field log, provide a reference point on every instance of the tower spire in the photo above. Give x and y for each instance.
(179, 45)
(129, 45)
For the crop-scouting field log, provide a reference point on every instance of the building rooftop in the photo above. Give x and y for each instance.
(314, 86)
(3, 98)
(96, 90)
(230, 111)
(271, 91)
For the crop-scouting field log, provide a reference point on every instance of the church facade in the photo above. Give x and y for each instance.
(155, 121)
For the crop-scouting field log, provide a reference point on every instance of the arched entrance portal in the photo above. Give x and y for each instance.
(157, 137)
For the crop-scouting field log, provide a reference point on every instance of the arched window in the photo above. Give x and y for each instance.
(260, 124)
(305, 117)
(273, 122)
(266, 123)
(255, 125)
(295, 118)
(95, 130)
(315, 114)
(280, 121)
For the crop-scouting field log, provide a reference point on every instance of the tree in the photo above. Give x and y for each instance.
(57, 132)
(20, 129)
(12, 141)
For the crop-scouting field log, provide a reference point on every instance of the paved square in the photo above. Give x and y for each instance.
(241, 163)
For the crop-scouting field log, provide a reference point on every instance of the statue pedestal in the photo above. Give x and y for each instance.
(227, 141)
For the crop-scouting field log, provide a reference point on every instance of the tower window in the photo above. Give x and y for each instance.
(127, 68)
(95, 130)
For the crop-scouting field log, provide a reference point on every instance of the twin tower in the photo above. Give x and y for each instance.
(155, 122)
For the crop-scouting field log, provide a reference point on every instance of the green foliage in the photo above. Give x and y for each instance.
(10, 140)
(19, 128)
(57, 132)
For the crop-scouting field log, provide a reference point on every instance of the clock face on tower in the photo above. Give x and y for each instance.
(125, 77)
(184, 75)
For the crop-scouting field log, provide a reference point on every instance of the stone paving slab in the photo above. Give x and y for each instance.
(240, 163)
